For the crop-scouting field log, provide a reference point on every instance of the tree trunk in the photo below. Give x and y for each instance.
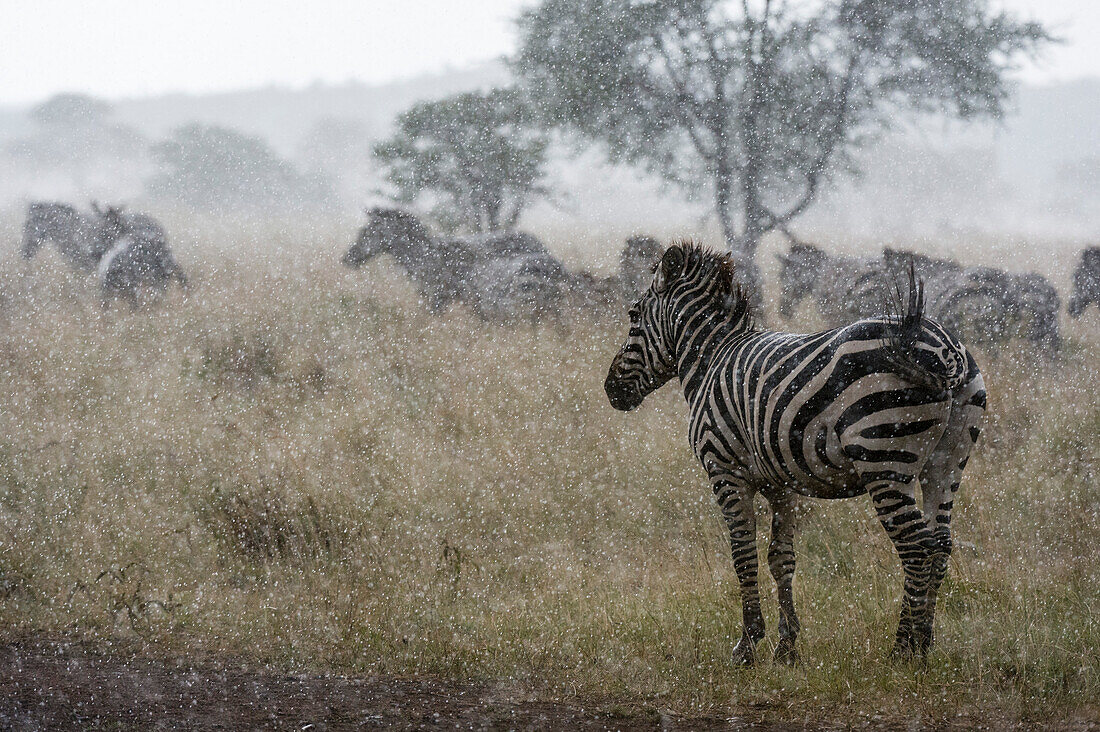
(741, 244)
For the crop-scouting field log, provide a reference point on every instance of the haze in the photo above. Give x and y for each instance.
(133, 48)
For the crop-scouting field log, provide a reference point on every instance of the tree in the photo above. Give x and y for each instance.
(762, 101)
(76, 134)
(70, 110)
(478, 153)
(219, 168)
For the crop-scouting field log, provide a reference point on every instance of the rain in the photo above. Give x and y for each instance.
(332, 344)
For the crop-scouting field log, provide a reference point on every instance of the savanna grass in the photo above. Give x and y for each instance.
(298, 464)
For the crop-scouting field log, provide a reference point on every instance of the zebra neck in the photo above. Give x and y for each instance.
(702, 331)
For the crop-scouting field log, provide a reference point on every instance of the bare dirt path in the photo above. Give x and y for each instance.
(60, 684)
(65, 685)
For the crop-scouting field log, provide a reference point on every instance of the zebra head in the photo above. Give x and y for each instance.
(798, 272)
(645, 361)
(693, 295)
(388, 231)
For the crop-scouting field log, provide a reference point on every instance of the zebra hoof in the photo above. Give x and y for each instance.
(786, 652)
(909, 651)
(902, 651)
(744, 654)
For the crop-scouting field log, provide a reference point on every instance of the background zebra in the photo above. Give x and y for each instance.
(986, 304)
(880, 406)
(982, 304)
(128, 251)
(1086, 282)
(133, 257)
(502, 277)
(844, 288)
(636, 260)
(74, 234)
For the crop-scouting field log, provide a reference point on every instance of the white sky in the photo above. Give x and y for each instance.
(128, 48)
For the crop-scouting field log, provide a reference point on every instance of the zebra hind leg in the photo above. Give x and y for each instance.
(940, 482)
(735, 500)
(894, 497)
(781, 562)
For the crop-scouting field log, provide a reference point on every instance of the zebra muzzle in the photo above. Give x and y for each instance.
(622, 393)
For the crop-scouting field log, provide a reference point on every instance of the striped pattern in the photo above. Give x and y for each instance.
(889, 407)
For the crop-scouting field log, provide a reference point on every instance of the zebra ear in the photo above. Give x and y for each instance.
(672, 263)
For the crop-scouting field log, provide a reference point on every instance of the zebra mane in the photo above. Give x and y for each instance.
(701, 261)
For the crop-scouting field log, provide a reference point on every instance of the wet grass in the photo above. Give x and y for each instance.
(297, 464)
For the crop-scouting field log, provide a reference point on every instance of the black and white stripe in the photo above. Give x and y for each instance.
(882, 406)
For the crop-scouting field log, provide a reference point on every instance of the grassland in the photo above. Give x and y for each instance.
(296, 464)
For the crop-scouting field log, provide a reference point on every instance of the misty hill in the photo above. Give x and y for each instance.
(284, 116)
(1035, 172)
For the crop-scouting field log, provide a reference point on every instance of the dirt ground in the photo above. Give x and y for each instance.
(59, 684)
(53, 684)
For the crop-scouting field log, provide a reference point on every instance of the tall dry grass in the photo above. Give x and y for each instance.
(298, 464)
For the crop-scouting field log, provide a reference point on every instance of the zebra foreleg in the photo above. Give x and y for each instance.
(781, 563)
(735, 499)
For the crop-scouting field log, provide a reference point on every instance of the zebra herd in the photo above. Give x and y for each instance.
(890, 406)
(512, 276)
(983, 305)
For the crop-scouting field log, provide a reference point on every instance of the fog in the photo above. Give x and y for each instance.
(1034, 173)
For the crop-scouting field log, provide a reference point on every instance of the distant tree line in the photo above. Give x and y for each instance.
(763, 103)
(203, 166)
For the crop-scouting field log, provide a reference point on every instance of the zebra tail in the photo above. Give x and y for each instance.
(918, 365)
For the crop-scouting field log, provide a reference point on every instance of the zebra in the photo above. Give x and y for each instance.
(501, 276)
(984, 304)
(878, 406)
(845, 288)
(1086, 282)
(115, 220)
(73, 233)
(438, 269)
(135, 257)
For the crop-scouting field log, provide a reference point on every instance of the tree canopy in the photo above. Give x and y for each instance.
(761, 101)
(478, 155)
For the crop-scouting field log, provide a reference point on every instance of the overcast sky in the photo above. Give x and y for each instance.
(128, 48)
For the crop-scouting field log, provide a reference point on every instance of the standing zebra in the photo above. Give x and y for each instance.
(879, 407)
(133, 257)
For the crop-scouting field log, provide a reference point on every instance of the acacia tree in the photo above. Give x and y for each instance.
(478, 153)
(762, 101)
